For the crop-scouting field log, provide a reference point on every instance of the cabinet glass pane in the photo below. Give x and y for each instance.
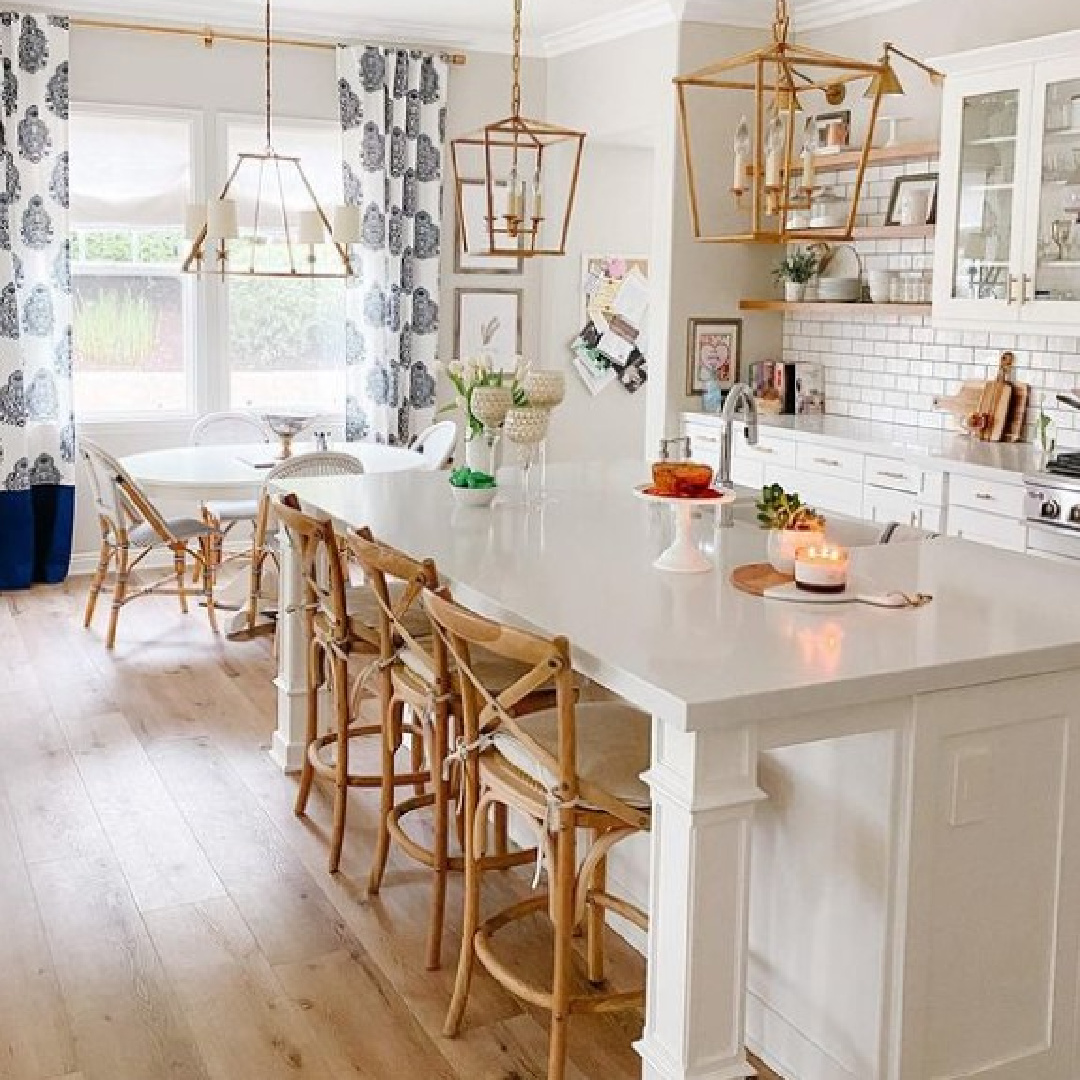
(1058, 274)
(985, 218)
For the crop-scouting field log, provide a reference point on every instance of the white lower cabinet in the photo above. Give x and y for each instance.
(986, 508)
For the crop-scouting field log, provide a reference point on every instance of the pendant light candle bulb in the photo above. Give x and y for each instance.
(774, 151)
(742, 156)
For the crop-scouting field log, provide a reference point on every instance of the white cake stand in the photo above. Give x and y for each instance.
(684, 556)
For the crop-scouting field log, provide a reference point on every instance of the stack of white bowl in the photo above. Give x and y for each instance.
(840, 289)
(880, 282)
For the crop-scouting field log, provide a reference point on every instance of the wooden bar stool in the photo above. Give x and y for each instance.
(408, 681)
(340, 625)
(573, 767)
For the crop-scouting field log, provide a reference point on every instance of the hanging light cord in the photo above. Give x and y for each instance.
(269, 80)
(782, 23)
(515, 99)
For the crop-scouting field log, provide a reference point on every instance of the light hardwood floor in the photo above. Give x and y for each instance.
(164, 916)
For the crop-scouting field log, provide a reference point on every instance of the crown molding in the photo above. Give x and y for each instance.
(638, 17)
(805, 14)
(818, 14)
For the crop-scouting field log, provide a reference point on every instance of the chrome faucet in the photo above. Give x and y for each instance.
(740, 400)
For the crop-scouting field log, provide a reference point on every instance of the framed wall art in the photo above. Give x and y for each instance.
(472, 226)
(913, 200)
(488, 321)
(713, 353)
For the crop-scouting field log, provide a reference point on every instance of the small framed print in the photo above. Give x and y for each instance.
(713, 351)
(913, 200)
(489, 321)
(472, 226)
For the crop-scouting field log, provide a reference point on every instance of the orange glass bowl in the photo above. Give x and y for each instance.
(681, 479)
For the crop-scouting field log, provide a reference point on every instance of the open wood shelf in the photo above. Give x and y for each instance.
(835, 307)
(894, 232)
(883, 155)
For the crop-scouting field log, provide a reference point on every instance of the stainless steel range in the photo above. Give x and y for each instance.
(1052, 508)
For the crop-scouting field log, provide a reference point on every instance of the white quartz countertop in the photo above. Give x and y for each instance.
(692, 648)
(943, 450)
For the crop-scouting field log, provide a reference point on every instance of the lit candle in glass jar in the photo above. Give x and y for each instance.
(822, 569)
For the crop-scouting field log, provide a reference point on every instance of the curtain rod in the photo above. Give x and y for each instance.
(208, 36)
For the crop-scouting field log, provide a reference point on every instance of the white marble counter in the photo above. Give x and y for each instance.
(942, 450)
(693, 649)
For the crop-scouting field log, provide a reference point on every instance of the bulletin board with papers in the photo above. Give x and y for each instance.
(612, 346)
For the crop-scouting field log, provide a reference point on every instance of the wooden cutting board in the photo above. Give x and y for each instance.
(755, 578)
(963, 405)
(1014, 429)
(996, 401)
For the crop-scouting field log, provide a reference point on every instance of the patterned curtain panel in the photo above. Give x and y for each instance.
(37, 430)
(393, 115)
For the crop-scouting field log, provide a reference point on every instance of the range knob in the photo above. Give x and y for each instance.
(1074, 514)
(1051, 509)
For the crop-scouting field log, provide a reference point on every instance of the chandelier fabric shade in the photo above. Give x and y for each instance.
(529, 170)
(774, 91)
(268, 220)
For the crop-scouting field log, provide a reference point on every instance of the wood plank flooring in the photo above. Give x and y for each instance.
(164, 916)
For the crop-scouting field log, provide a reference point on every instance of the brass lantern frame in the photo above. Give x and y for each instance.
(508, 233)
(778, 75)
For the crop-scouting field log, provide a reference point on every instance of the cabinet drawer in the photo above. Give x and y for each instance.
(829, 461)
(886, 472)
(771, 451)
(987, 496)
(885, 506)
(822, 492)
(748, 474)
(986, 528)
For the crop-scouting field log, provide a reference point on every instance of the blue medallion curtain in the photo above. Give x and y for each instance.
(37, 430)
(393, 118)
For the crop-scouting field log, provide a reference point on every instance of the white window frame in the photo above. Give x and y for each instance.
(195, 329)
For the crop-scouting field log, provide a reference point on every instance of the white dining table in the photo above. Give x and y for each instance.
(972, 879)
(198, 474)
(202, 473)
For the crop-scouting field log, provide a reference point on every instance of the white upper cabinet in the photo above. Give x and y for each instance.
(1008, 248)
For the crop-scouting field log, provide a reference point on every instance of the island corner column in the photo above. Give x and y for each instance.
(704, 792)
(287, 749)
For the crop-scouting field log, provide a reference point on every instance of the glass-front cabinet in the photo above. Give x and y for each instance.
(1008, 247)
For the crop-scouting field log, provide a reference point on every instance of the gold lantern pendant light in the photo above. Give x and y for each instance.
(277, 245)
(776, 156)
(516, 180)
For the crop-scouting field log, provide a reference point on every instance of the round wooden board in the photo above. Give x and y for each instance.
(755, 578)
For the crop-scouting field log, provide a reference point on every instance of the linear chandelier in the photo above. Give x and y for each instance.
(528, 171)
(776, 157)
(274, 238)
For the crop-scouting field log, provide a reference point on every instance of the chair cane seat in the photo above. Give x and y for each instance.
(493, 671)
(230, 510)
(145, 536)
(364, 609)
(613, 750)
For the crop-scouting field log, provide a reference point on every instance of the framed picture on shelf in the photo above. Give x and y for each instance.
(832, 131)
(488, 321)
(472, 211)
(713, 351)
(913, 200)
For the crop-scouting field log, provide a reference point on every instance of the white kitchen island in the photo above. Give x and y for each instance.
(960, 845)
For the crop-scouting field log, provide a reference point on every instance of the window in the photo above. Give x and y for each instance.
(133, 310)
(284, 340)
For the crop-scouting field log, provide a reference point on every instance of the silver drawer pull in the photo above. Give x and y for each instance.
(706, 440)
(984, 496)
(764, 449)
(893, 475)
(831, 463)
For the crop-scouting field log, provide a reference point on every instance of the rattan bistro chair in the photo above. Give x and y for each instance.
(408, 684)
(338, 629)
(131, 523)
(564, 769)
(263, 540)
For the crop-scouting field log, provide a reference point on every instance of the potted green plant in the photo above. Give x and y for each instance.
(792, 525)
(796, 272)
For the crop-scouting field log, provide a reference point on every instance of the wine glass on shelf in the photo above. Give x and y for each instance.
(1060, 232)
(526, 427)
